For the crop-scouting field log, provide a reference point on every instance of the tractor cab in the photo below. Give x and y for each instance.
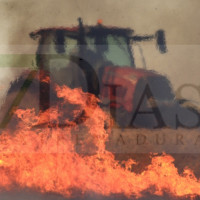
(78, 56)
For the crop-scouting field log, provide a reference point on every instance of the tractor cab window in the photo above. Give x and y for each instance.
(118, 51)
(90, 41)
(72, 45)
(58, 60)
(112, 49)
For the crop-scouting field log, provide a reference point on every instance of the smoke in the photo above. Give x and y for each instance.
(177, 18)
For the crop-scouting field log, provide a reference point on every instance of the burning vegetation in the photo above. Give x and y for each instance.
(41, 154)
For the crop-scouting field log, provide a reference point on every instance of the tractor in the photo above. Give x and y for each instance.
(99, 60)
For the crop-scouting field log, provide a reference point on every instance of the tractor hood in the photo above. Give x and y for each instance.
(124, 86)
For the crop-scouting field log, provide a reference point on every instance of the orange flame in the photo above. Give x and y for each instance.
(46, 158)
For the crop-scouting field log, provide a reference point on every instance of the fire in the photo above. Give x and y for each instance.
(42, 155)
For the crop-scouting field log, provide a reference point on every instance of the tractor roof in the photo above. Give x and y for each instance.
(89, 30)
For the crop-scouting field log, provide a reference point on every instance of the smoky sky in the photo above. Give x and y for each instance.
(178, 18)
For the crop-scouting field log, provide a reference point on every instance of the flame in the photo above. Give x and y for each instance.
(44, 157)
